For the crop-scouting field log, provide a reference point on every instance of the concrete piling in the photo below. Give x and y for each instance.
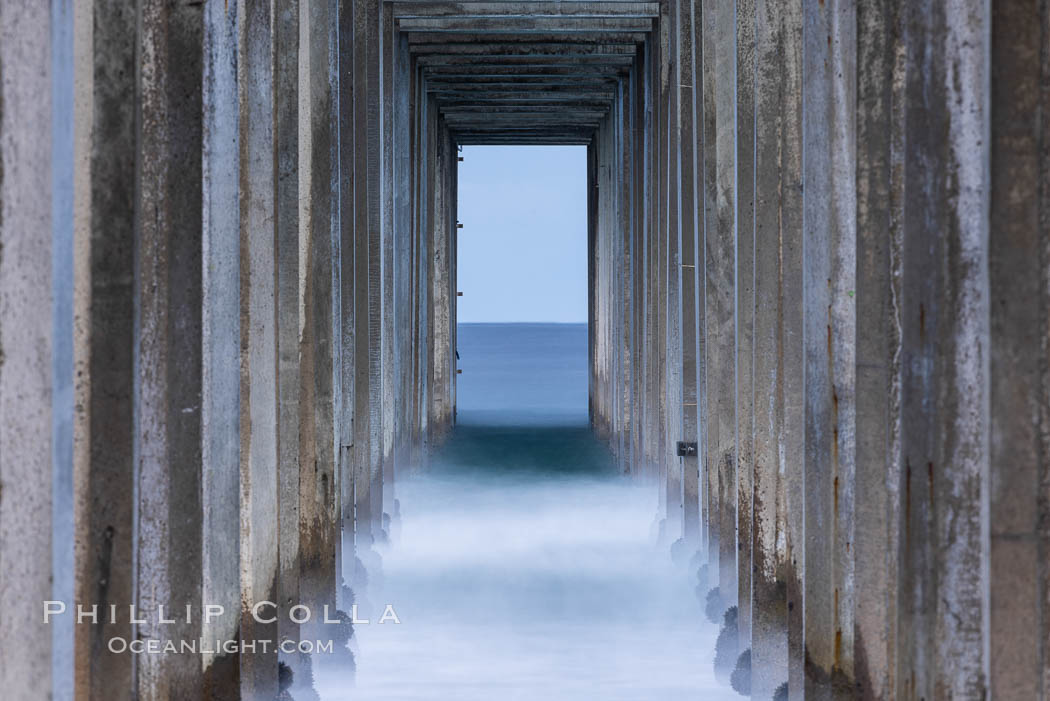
(258, 429)
(818, 284)
(690, 272)
(103, 280)
(27, 390)
(769, 623)
(288, 296)
(745, 309)
(318, 206)
(363, 292)
(829, 307)
(221, 409)
(943, 615)
(1018, 273)
(167, 344)
(720, 320)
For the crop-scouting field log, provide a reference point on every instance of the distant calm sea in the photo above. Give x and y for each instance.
(522, 374)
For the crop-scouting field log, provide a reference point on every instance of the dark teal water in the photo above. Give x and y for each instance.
(523, 568)
(522, 405)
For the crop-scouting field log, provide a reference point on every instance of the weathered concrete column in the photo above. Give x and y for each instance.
(603, 258)
(362, 295)
(104, 185)
(778, 372)
(404, 269)
(650, 213)
(428, 249)
(706, 119)
(347, 314)
(877, 496)
(660, 41)
(941, 650)
(627, 267)
(258, 345)
(792, 332)
(613, 263)
(453, 257)
(289, 297)
(670, 260)
(318, 230)
(390, 253)
(745, 307)
(367, 21)
(721, 289)
(594, 389)
(421, 147)
(691, 272)
(829, 289)
(441, 281)
(769, 598)
(417, 371)
(221, 350)
(27, 387)
(1019, 299)
(638, 93)
(168, 289)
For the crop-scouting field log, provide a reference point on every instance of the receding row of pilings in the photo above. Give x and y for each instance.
(220, 332)
(820, 249)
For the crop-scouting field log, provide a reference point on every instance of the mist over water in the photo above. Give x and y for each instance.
(524, 566)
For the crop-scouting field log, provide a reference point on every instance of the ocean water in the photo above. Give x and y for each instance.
(523, 567)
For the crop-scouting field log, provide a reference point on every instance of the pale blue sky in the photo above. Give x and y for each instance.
(523, 245)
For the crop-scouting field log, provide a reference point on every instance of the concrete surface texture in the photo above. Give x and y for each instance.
(818, 257)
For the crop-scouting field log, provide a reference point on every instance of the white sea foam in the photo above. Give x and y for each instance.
(524, 569)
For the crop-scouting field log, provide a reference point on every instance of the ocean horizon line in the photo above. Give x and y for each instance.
(521, 323)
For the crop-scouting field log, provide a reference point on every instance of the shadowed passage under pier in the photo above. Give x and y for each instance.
(525, 566)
